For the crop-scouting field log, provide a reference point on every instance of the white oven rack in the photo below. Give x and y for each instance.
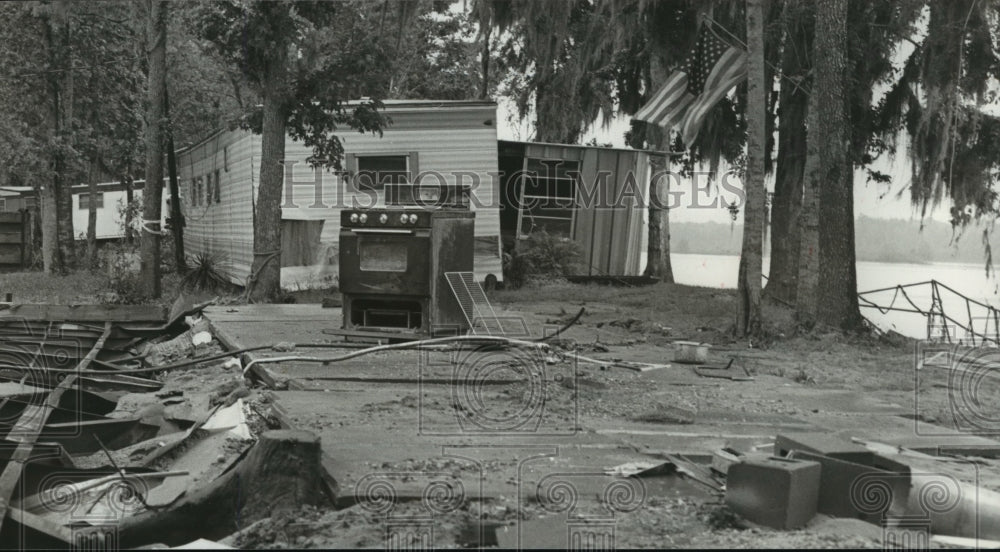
(476, 307)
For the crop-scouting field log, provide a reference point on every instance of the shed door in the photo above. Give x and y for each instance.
(548, 197)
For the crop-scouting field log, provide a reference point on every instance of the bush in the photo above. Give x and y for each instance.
(541, 257)
(124, 280)
(206, 273)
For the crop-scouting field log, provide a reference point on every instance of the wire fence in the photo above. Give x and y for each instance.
(978, 322)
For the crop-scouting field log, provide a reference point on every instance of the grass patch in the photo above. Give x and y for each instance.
(36, 287)
(82, 287)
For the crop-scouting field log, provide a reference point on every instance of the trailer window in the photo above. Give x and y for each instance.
(85, 201)
(209, 189)
(375, 171)
(217, 194)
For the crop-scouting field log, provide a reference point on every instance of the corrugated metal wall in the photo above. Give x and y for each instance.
(609, 224)
(449, 140)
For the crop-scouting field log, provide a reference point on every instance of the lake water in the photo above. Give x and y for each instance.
(969, 279)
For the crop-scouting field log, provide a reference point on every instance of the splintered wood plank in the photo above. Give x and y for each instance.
(31, 422)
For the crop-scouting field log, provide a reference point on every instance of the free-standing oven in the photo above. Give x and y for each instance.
(393, 262)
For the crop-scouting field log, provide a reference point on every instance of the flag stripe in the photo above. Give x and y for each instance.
(726, 74)
(708, 73)
(697, 113)
(669, 102)
(707, 101)
(647, 111)
(676, 115)
(731, 62)
(677, 78)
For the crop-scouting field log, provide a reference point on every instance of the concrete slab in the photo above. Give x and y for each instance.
(412, 419)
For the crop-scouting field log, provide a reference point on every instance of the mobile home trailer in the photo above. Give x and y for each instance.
(427, 141)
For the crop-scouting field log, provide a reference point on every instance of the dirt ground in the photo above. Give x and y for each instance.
(372, 416)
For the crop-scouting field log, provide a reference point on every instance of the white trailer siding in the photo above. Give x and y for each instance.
(223, 229)
(110, 224)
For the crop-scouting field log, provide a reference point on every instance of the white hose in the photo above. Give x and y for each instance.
(407, 345)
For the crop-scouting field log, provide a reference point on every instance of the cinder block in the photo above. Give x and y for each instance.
(837, 479)
(777, 492)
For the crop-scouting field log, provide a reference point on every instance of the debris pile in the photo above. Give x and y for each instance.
(913, 496)
(128, 426)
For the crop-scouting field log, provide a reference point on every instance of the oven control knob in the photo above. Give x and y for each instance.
(403, 218)
(383, 218)
(363, 217)
(354, 217)
(413, 219)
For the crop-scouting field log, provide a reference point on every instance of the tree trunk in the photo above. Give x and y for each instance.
(64, 193)
(838, 297)
(749, 317)
(50, 228)
(265, 275)
(49, 196)
(484, 91)
(176, 218)
(826, 154)
(92, 220)
(786, 206)
(149, 244)
(658, 246)
(129, 198)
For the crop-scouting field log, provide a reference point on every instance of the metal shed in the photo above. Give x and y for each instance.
(593, 195)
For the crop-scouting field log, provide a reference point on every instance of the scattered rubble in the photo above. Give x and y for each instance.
(163, 420)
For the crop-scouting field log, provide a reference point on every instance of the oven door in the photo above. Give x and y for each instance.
(392, 261)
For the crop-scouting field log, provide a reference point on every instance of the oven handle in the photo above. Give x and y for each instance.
(381, 231)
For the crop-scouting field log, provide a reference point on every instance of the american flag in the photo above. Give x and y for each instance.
(708, 73)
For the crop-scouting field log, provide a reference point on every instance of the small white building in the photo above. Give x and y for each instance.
(111, 198)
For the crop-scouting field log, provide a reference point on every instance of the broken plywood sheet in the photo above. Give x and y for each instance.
(912, 434)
